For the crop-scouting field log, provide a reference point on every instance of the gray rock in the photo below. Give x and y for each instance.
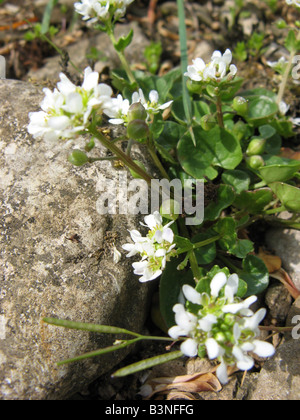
(279, 378)
(46, 271)
(285, 244)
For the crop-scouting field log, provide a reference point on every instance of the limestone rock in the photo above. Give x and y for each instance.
(285, 244)
(279, 378)
(56, 260)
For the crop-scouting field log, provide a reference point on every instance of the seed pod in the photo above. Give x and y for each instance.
(240, 105)
(136, 111)
(78, 158)
(137, 130)
(255, 162)
(256, 146)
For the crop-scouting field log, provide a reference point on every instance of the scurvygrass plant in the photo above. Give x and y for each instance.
(197, 123)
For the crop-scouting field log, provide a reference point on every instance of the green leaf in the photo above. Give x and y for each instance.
(224, 199)
(147, 364)
(288, 195)
(206, 254)
(99, 352)
(261, 110)
(253, 201)
(239, 180)
(103, 329)
(216, 147)
(124, 41)
(171, 283)
(182, 243)
(242, 248)
(227, 229)
(291, 41)
(255, 274)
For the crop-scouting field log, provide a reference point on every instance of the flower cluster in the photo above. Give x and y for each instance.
(220, 324)
(155, 248)
(68, 109)
(217, 69)
(102, 10)
(118, 109)
(293, 2)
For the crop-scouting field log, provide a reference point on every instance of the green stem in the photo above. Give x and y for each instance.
(200, 244)
(286, 74)
(120, 155)
(219, 112)
(122, 57)
(194, 265)
(158, 162)
(276, 210)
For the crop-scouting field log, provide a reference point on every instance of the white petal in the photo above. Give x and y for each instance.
(231, 287)
(189, 347)
(212, 348)
(59, 123)
(217, 283)
(191, 294)
(207, 322)
(168, 235)
(175, 332)
(153, 96)
(263, 349)
(222, 373)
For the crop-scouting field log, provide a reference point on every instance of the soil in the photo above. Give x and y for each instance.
(207, 21)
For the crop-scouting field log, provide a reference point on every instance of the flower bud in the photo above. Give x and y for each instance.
(136, 111)
(137, 130)
(240, 105)
(256, 146)
(133, 173)
(208, 122)
(170, 209)
(78, 158)
(255, 162)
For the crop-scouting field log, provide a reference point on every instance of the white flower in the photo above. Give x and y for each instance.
(222, 324)
(293, 2)
(117, 110)
(67, 110)
(218, 68)
(283, 108)
(152, 105)
(156, 248)
(296, 121)
(102, 10)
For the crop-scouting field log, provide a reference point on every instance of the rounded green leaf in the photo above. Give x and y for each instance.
(261, 109)
(288, 195)
(255, 274)
(279, 171)
(214, 148)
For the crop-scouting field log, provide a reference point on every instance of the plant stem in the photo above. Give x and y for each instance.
(158, 162)
(122, 57)
(286, 74)
(219, 112)
(120, 155)
(194, 265)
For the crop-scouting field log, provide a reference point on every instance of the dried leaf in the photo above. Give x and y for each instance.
(272, 262)
(197, 382)
(285, 279)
